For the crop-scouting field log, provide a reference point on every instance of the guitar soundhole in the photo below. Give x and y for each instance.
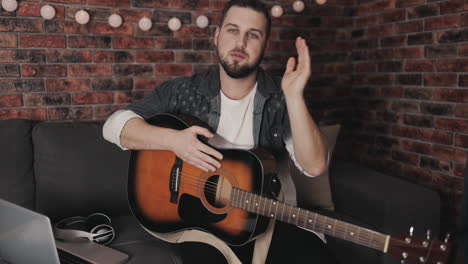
(217, 191)
(210, 190)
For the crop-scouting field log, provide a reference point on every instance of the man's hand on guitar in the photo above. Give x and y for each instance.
(186, 146)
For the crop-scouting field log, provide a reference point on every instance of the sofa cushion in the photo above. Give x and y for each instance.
(141, 247)
(315, 192)
(77, 171)
(16, 162)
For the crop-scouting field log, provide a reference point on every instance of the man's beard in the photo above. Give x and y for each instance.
(235, 71)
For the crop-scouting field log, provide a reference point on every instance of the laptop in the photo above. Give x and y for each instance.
(26, 237)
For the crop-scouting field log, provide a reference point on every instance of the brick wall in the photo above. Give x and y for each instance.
(392, 72)
(410, 92)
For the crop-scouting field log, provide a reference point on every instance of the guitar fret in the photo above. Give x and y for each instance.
(298, 214)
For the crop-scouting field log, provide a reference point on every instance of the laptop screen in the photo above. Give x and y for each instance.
(25, 236)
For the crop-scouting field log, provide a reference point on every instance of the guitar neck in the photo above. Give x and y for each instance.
(308, 220)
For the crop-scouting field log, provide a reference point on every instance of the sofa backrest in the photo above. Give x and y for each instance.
(77, 172)
(16, 162)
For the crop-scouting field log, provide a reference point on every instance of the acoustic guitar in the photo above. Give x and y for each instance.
(235, 202)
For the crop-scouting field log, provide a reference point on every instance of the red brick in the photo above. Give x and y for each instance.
(461, 141)
(128, 97)
(96, 13)
(104, 28)
(154, 4)
(406, 3)
(448, 153)
(419, 66)
(423, 134)
(405, 157)
(32, 114)
(365, 67)
(92, 98)
(22, 55)
(133, 15)
(456, 65)
(69, 27)
(103, 56)
(8, 40)
(442, 22)
(34, 10)
(21, 85)
(105, 84)
(155, 56)
(54, 85)
(70, 113)
(415, 146)
(192, 31)
(156, 30)
(132, 43)
(190, 4)
(89, 42)
(461, 110)
(390, 91)
(459, 169)
(409, 27)
(373, 7)
(381, 30)
(192, 57)
(463, 49)
(452, 6)
(44, 70)
(380, 54)
(393, 41)
(453, 95)
(463, 80)
(148, 83)
(103, 112)
(409, 52)
(48, 99)
(440, 79)
(440, 51)
(133, 70)
(49, 41)
(21, 25)
(67, 55)
(91, 70)
(173, 69)
(116, 3)
(456, 125)
(11, 100)
(9, 70)
(69, 1)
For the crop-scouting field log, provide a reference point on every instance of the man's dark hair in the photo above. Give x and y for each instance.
(252, 4)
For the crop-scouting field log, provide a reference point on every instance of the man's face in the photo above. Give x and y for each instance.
(240, 41)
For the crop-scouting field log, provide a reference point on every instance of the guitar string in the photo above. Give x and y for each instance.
(363, 238)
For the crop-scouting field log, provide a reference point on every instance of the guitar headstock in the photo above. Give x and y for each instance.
(414, 250)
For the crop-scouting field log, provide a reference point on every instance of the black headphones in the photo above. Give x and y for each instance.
(96, 227)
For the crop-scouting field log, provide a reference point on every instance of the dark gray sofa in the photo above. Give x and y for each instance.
(64, 169)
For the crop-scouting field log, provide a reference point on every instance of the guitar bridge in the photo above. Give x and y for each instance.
(174, 180)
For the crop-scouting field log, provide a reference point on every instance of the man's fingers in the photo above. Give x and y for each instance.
(290, 65)
(202, 131)
(210, 151)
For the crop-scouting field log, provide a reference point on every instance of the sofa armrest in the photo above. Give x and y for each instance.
(388, 204)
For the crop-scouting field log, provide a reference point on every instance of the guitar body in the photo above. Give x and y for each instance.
(168, 195)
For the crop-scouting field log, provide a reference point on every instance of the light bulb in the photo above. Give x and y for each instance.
(82, 17)
(320, 2)
(47, 12)
(9, 5)
(115, 20)
(202, 21)
(145, 24)
(174, 24)
(298, 6)
(276, 11)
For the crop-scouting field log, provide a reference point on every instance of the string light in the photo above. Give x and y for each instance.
(202, 21)
(9, 5)
(47, 12)
(298, 6)
(174, 24)
(82, 17)
(145, 24)
(115, 20)
(276, 11)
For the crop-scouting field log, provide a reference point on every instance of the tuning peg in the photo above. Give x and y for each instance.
(411, 230)
(447, 237)
(428, 234)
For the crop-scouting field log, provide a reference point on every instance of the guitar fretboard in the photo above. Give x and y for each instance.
(306, 219)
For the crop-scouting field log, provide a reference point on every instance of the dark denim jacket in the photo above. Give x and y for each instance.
(199, 96)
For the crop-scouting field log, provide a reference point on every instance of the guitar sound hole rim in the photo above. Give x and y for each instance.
(201, 190)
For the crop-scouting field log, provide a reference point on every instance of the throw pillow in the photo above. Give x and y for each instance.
(315, 192)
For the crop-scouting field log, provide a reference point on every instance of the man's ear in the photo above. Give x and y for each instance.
(215, 40)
